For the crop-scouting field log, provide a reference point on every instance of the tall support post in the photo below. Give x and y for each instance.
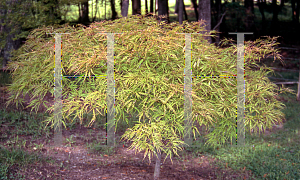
(240, 89)
(110, 90)
(188, 90)
(57, 91)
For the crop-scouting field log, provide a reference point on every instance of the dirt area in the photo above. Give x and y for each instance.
(79, 162)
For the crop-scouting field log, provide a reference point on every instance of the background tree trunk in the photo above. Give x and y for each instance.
(180, 11)
(185, 14)
(205, 14)
(151, 6)
(10, 44)
(136, 7)
(94, 18)
(217, 9)
(177, 7)
(125, 5)
(156, 6)
(146, 7)
(195, 9)
(250, 25)
(261, 5)
(163, 9)
(275, 14)
(113, 9)
(79, 12)
(85, 12)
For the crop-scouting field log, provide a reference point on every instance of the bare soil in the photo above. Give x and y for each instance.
(80, 162)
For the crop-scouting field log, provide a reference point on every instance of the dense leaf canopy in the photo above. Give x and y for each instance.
(149, 79)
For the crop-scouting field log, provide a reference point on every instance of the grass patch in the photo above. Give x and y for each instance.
(276, 156)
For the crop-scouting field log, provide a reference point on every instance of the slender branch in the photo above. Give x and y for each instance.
(219, 21)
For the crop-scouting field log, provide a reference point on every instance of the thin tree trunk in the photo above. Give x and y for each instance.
(146, 7)
(156, 6)
(136, 7)
(177, 7)
(218, 27)
(3, 12)
(195, 9)
(80, 12)
(250, 25)
(125, 5)
(261, 5)
(185, 14)
(85, 12)
(94, 18)
(157, 166)
(205, 14)
(113, 9)
(10, 43)
(275, 12)
(99, 13)
(92, 10)
(151, 6)
(163, 8)
(180, 11)
(183, 7)
(217, 8)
